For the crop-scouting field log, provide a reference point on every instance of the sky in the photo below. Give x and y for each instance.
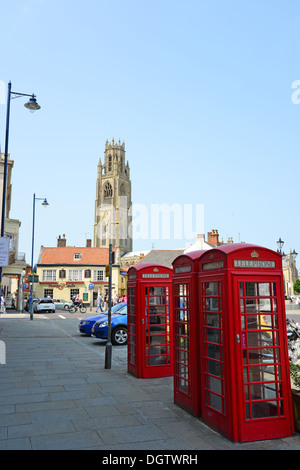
(200, 91)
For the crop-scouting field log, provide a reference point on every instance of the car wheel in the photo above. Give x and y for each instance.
(66, 307)
(119, 336)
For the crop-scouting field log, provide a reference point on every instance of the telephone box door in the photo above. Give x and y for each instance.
(262, 359)
(214, 377)
(156, 330)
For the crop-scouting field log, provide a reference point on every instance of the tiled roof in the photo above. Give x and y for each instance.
(65, 256)
(165, 257)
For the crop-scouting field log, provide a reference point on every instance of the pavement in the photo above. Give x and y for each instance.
(55, 394)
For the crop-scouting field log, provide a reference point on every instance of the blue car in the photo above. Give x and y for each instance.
(118, 327)
(86, 325)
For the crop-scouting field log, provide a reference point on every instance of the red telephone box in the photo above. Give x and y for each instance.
(245, 380)
(149, 329)
(186, 332)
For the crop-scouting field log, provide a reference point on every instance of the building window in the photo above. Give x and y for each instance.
(49, 275)
(75, 275)
(48, 293)
(73, 292)
(87, 273)
(62, 274)
(98, 275)
(77, 256)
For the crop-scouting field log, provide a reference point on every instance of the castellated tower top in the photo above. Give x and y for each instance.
(114, 160)
(112, 145)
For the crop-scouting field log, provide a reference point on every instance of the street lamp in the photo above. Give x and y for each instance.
(44, 204)
(294, 254)
(280, 244)
(32, 105)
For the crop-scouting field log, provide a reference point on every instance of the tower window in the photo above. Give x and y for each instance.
(108, 192)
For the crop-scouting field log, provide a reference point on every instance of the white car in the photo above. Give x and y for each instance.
(45, 305)
(60, 303)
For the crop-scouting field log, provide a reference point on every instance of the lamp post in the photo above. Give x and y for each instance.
(45, 204)
(280, 244)
(32, 105)
(108, 348)
(294, 255)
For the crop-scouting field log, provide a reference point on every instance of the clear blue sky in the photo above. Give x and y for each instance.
(200, 91)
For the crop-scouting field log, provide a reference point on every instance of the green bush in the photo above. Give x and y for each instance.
(295, 374)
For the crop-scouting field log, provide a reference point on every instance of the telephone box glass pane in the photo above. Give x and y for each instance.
(182, 338)
(260, 350)
(213, 346)
(157, 326)
(131, 326)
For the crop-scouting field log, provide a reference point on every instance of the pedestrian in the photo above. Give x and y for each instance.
(99, 302)
(105, 303)
(116, 298)
(3, 309)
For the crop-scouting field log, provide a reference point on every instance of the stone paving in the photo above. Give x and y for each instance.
(56, 395)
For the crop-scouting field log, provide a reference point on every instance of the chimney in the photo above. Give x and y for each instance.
(89, 243)
(61, 242)
(213, 237)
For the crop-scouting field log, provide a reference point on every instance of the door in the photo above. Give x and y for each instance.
(213, 368)
(264, 407)
(182, 339)
(131, 331)
(156, 331)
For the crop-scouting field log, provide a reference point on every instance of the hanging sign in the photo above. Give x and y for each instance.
(4, 251)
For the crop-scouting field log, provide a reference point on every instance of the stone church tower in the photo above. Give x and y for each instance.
(113, 200)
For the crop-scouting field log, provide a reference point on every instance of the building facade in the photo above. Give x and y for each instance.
(113, 200)
(65, 271)
(17, 263)
(290, 274)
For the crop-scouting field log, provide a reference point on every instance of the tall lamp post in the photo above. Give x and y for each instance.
(45, 204)
(294, 255)
(280, 244)
(32, 105)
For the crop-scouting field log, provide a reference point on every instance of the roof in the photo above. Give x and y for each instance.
(233, 247)
(193, 255)
(199, 244)
(164, 257)
(141, 266)
(132, 254)
(90, 256)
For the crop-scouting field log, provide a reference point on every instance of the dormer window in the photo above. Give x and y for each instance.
(77, 256)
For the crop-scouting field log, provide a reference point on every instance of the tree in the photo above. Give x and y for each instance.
(297, 286)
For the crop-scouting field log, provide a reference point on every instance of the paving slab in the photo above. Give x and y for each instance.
(55, 394)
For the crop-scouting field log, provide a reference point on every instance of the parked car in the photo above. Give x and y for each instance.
(85, 325)
(118, 327)
(34, 302)
(60, 303)
(45, 305)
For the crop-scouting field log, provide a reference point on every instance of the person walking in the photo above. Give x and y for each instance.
(3, 309)
(99, 302)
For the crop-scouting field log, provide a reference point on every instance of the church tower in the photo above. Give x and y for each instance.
(113, 200)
